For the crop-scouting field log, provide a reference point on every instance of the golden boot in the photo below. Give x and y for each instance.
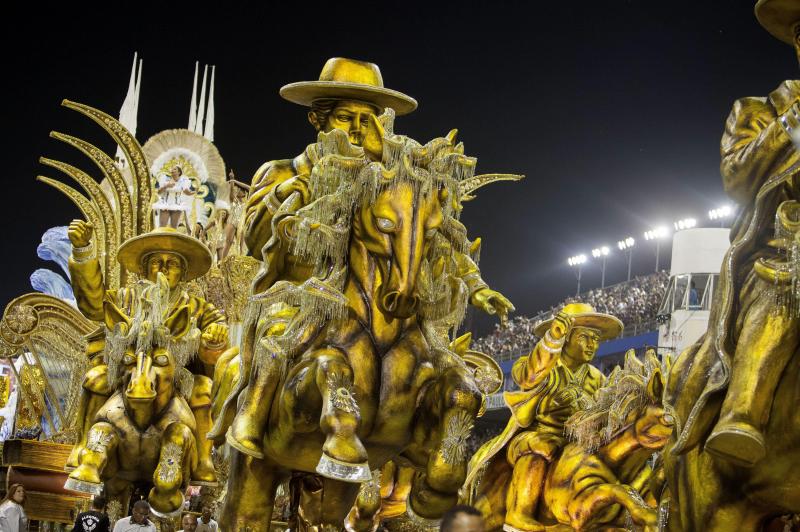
(246, 432)
(766, 344)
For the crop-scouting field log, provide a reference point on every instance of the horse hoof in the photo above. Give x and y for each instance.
(204, 475)
(338, 470)
(83, 486)
(736, 442)
(247, 447)
(166, 507)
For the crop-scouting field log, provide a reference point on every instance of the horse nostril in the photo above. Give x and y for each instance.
(390, 301)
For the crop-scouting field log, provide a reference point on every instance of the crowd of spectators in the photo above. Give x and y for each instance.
(634, 302)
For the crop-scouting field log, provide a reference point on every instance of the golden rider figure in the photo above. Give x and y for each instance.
(348, 96)
(734, 370)
(551, 379)
(179, 258)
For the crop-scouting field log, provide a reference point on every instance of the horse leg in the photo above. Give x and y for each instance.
(90, 403)
(343, 455)
(251, 493)
(583, 506)
(101, 443)
(363, 517)
(490, 500)
(200, 404)
(455, 399)
(177, 460)
(524, 491)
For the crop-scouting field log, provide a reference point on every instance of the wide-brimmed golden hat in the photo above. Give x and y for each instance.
(166, 239)
(584, 315)
(348, 79)
(778, 17)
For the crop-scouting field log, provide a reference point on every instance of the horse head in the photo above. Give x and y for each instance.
(653, 424)
(148, 367)
(396, 229)
(632, 401)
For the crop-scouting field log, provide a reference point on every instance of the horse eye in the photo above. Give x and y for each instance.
(384, 224)
(129, 360)
(667, 419)
(162, 360)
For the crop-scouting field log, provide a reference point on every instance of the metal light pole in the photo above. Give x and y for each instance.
(577, 262)
(603, 252)
(627, 246)
(657, 234)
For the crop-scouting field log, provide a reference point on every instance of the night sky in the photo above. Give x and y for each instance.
(613, 109)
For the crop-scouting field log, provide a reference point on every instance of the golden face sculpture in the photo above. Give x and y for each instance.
(581, 345)
(169, 264)
(350, 116)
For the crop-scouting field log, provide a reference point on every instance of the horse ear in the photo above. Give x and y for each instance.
(655, 386)
(633, 364)
(475, 247)
(461, 344)
(114, 315)
(178, 322)
(667, 363)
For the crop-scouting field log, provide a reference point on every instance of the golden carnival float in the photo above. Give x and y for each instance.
(287, 351)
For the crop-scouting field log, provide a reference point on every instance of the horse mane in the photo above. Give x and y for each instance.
(625, 391)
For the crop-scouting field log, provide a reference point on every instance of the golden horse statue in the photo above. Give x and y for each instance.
(602, 476)
(357, 371)
(145, 431)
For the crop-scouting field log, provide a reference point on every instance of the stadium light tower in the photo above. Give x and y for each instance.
(627, 246)
(577, 261)
(602, 253)
(657, 234)
(720, 213)
(686, 223)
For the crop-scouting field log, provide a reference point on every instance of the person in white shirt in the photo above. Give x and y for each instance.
(171, 204)
(12, 513)
(189, 523)
(205, 523)
(138, 521)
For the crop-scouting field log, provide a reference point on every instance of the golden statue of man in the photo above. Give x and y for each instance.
(179, 258)
(734, 370)
(348, 96)
(551, 379)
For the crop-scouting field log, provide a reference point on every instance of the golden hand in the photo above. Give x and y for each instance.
(492, 302)
(297, 183)
(80, 233)
(215, 335)
(561, 325)
(373, 140)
